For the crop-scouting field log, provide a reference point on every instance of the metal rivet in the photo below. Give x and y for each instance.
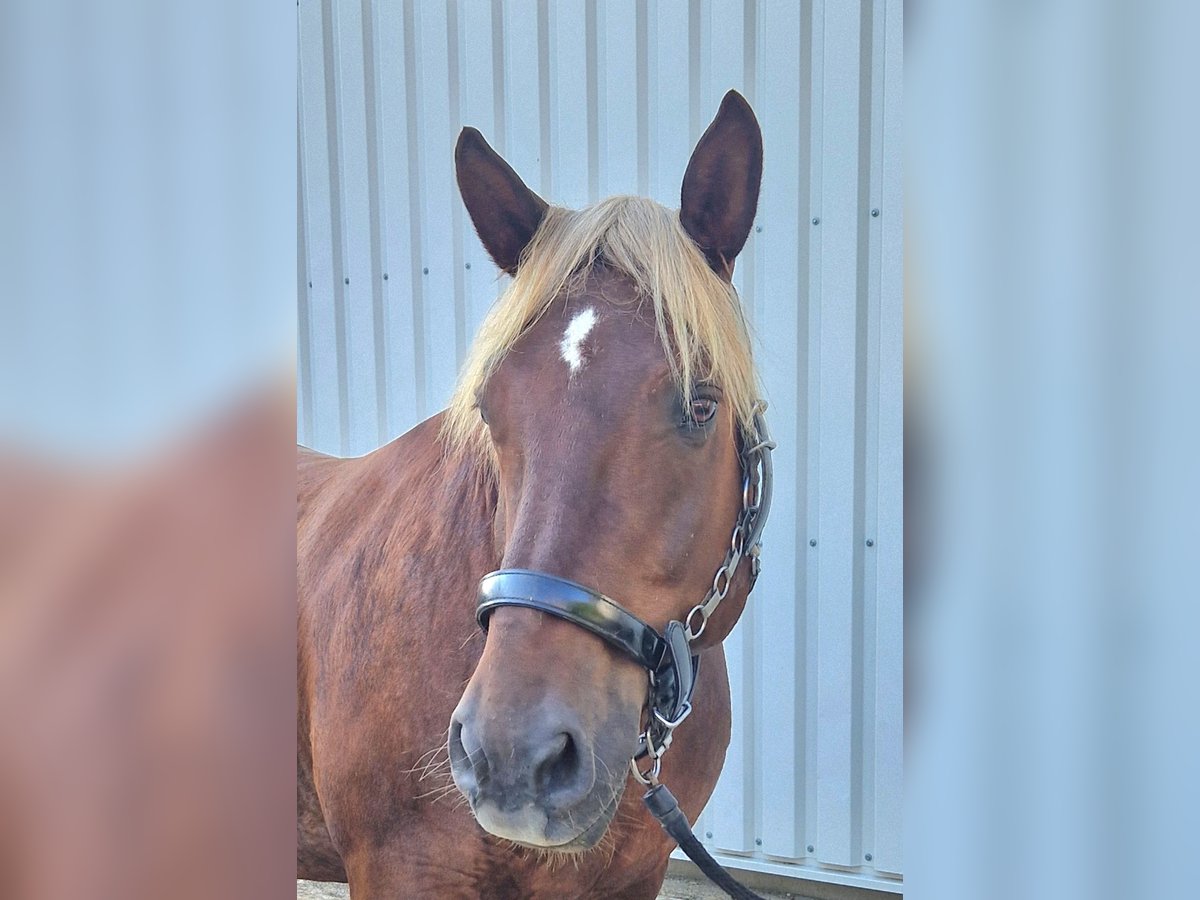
(870, 543)
(758, 841)
(816, 220)
(468, 265)
(385, 276)
(708, 834)
(812, 542)
(347, 281)
(868, 857)
(425, 271)
(758, 228)
(875, 213)
(810, 848)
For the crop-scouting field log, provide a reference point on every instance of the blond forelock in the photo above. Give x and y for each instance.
(697, 314)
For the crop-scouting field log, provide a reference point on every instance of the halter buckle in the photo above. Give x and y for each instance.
(672, 724)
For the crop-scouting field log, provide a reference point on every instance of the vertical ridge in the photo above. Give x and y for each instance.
(887, 787)
(862, 264)
(543, 61)
(414, 207)
(454, 38)
(750, 49)
(498, 76)
(303, 325)
(750, 719)
(804, 255)
(695, 81)
(749, 86)
(839, 549)
(333, 148)
(754, 679)
(370, 55)
(593, 100)
(642, 67)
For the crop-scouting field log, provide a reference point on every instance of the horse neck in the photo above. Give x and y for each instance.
(447, 499)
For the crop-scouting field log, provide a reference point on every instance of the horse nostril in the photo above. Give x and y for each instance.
(458, 756)
(562, 777)
(468, 764)
(560, 760)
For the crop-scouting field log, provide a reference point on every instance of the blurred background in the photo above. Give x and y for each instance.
(1052, 315)
(147, 494)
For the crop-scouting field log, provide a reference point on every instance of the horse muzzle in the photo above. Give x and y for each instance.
(532, 778)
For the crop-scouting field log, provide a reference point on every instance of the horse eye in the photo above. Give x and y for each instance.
(703, 409)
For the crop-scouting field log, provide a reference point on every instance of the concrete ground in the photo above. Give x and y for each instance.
(676, 888)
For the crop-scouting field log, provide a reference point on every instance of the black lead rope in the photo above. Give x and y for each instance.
(662, 803)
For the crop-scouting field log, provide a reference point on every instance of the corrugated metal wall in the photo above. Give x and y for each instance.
(588, 99)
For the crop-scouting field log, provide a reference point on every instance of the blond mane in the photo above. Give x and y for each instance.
(698, 315)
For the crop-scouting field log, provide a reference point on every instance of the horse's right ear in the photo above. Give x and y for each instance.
(720, 187)
(506, 213)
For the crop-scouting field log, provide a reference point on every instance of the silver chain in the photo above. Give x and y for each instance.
(756, 469)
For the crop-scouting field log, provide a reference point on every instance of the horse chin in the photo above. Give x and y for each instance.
(533, 829)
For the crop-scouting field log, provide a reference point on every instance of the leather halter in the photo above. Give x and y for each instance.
(667, 657)
(577, 604)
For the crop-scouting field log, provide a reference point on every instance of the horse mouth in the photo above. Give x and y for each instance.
(585, 840)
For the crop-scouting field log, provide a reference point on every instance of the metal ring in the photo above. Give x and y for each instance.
(737, 544)
(653, 751)
(692, 633)
(649, 779)
(722, 591)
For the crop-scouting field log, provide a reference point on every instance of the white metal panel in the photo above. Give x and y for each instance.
(588, 99)
(730, 815)
(809, 420)
(838, 553)
(324, 379)
(782, 258)
(668, 101)
(524, 82)
(354, 82)
(479, 90)
(620, 59)
(570, 140)
(888, 790)
(437, 126)
(400, 253)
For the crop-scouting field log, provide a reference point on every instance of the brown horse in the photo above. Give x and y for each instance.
(593, 435)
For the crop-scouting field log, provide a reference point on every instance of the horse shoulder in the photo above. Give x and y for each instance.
(386, 544)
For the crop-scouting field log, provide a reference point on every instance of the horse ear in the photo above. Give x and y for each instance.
(506, 213)
(720, 187)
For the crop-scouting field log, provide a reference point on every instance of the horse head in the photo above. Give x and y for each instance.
(607, 394)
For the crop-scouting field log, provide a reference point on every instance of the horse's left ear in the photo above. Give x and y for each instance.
(720, 187)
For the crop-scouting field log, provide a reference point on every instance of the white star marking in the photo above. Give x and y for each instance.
(573, 337)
